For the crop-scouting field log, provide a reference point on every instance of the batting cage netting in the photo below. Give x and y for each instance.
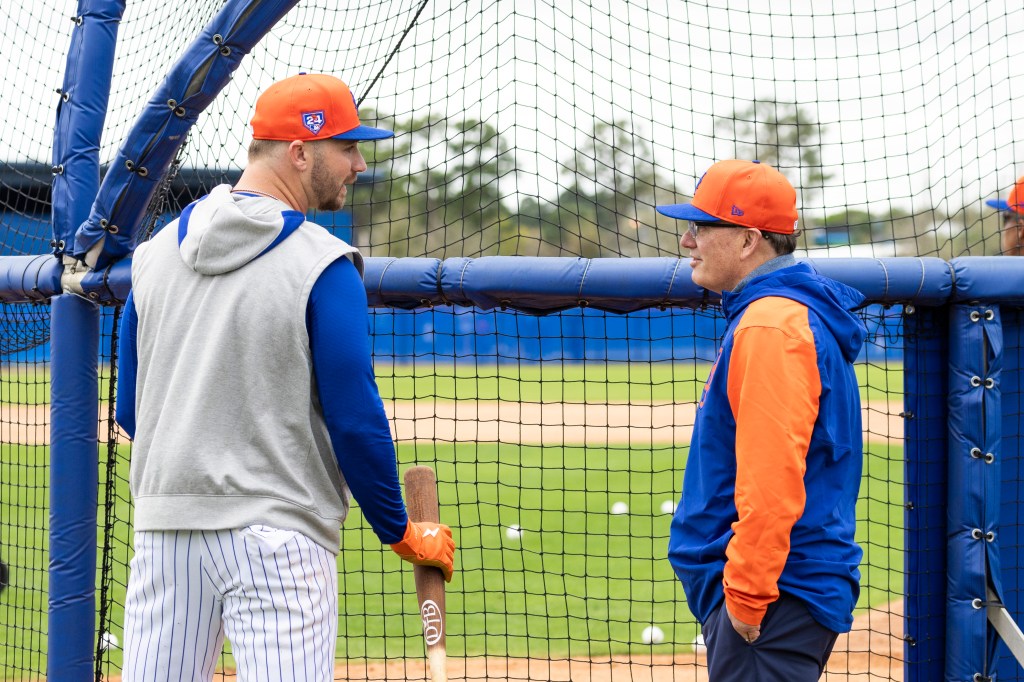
(557, 421)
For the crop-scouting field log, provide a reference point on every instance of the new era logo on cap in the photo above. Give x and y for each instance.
(736, 210)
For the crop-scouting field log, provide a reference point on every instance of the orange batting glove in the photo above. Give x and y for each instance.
(428, 544)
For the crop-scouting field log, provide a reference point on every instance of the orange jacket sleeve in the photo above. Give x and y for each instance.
(774, 388)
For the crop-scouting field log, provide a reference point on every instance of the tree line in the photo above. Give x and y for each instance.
(453, 188)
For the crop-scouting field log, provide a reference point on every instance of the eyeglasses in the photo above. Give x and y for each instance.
(696, 227)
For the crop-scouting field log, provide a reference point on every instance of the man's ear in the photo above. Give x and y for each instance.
(752, 239)
(298, 155)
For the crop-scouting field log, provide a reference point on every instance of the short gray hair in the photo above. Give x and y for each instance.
(782, 243)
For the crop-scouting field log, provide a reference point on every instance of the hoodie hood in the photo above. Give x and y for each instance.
(832, 301)
(216, 237)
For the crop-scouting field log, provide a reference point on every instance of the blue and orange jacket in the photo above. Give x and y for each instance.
(771, 481)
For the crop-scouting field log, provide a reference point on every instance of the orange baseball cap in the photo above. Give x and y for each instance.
(748, 193)
(1015, 202)
(310, 106)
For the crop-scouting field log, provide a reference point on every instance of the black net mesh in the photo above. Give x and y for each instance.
(546, 129)
(559, 444)
(24, 509)
(543, 129)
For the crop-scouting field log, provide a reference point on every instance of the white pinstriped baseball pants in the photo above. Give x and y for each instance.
(274, 593)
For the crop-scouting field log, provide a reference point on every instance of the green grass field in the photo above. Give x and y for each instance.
(579, 582)
(659, 382)
(614, 382)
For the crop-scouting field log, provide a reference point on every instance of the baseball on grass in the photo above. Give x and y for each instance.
(108, 641)
(699, 647)
(652, 634)
(668, 507)
(620, 508)
(513, 532)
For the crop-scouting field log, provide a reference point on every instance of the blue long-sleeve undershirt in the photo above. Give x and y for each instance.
(337, 320)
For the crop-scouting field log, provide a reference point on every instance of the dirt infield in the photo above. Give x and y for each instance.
(552, 424)
(872, 652)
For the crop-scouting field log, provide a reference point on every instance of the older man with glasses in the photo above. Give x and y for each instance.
(763, 537)
(1012, 237)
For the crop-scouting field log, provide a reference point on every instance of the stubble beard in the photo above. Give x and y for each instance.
(325, 190)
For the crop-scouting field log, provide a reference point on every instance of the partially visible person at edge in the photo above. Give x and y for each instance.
(245, 380)
(763, 538)
(1012, 235)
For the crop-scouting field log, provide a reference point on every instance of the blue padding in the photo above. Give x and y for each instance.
(1011, 456)
(544, 285)
(926, 281)
(74, 337)
(926, 489)
(74, 480)
(662, 281)
(490, 282)
(81, 111)
(402, 282)
(989, 278)
(975, 358)
(109, 286)
(192, 83)
(29, 278)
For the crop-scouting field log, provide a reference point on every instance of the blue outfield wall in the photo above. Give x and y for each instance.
(24, 228)
(467, 334)
(471, 335)
(582, 334)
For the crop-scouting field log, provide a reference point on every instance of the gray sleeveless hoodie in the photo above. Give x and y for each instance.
(229, 429)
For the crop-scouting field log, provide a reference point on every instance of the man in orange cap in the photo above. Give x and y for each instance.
(1012, 239)
(246, 383)
(763, 537)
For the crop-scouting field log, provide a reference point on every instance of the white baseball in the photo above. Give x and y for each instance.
(620, 508)
(513, 532)
(699, 647)
(668, 507)
(108, 640)
(652, 634)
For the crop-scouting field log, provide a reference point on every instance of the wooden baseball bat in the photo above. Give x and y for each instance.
(421, 500)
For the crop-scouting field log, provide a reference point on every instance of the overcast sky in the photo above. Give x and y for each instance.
(915, 95)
